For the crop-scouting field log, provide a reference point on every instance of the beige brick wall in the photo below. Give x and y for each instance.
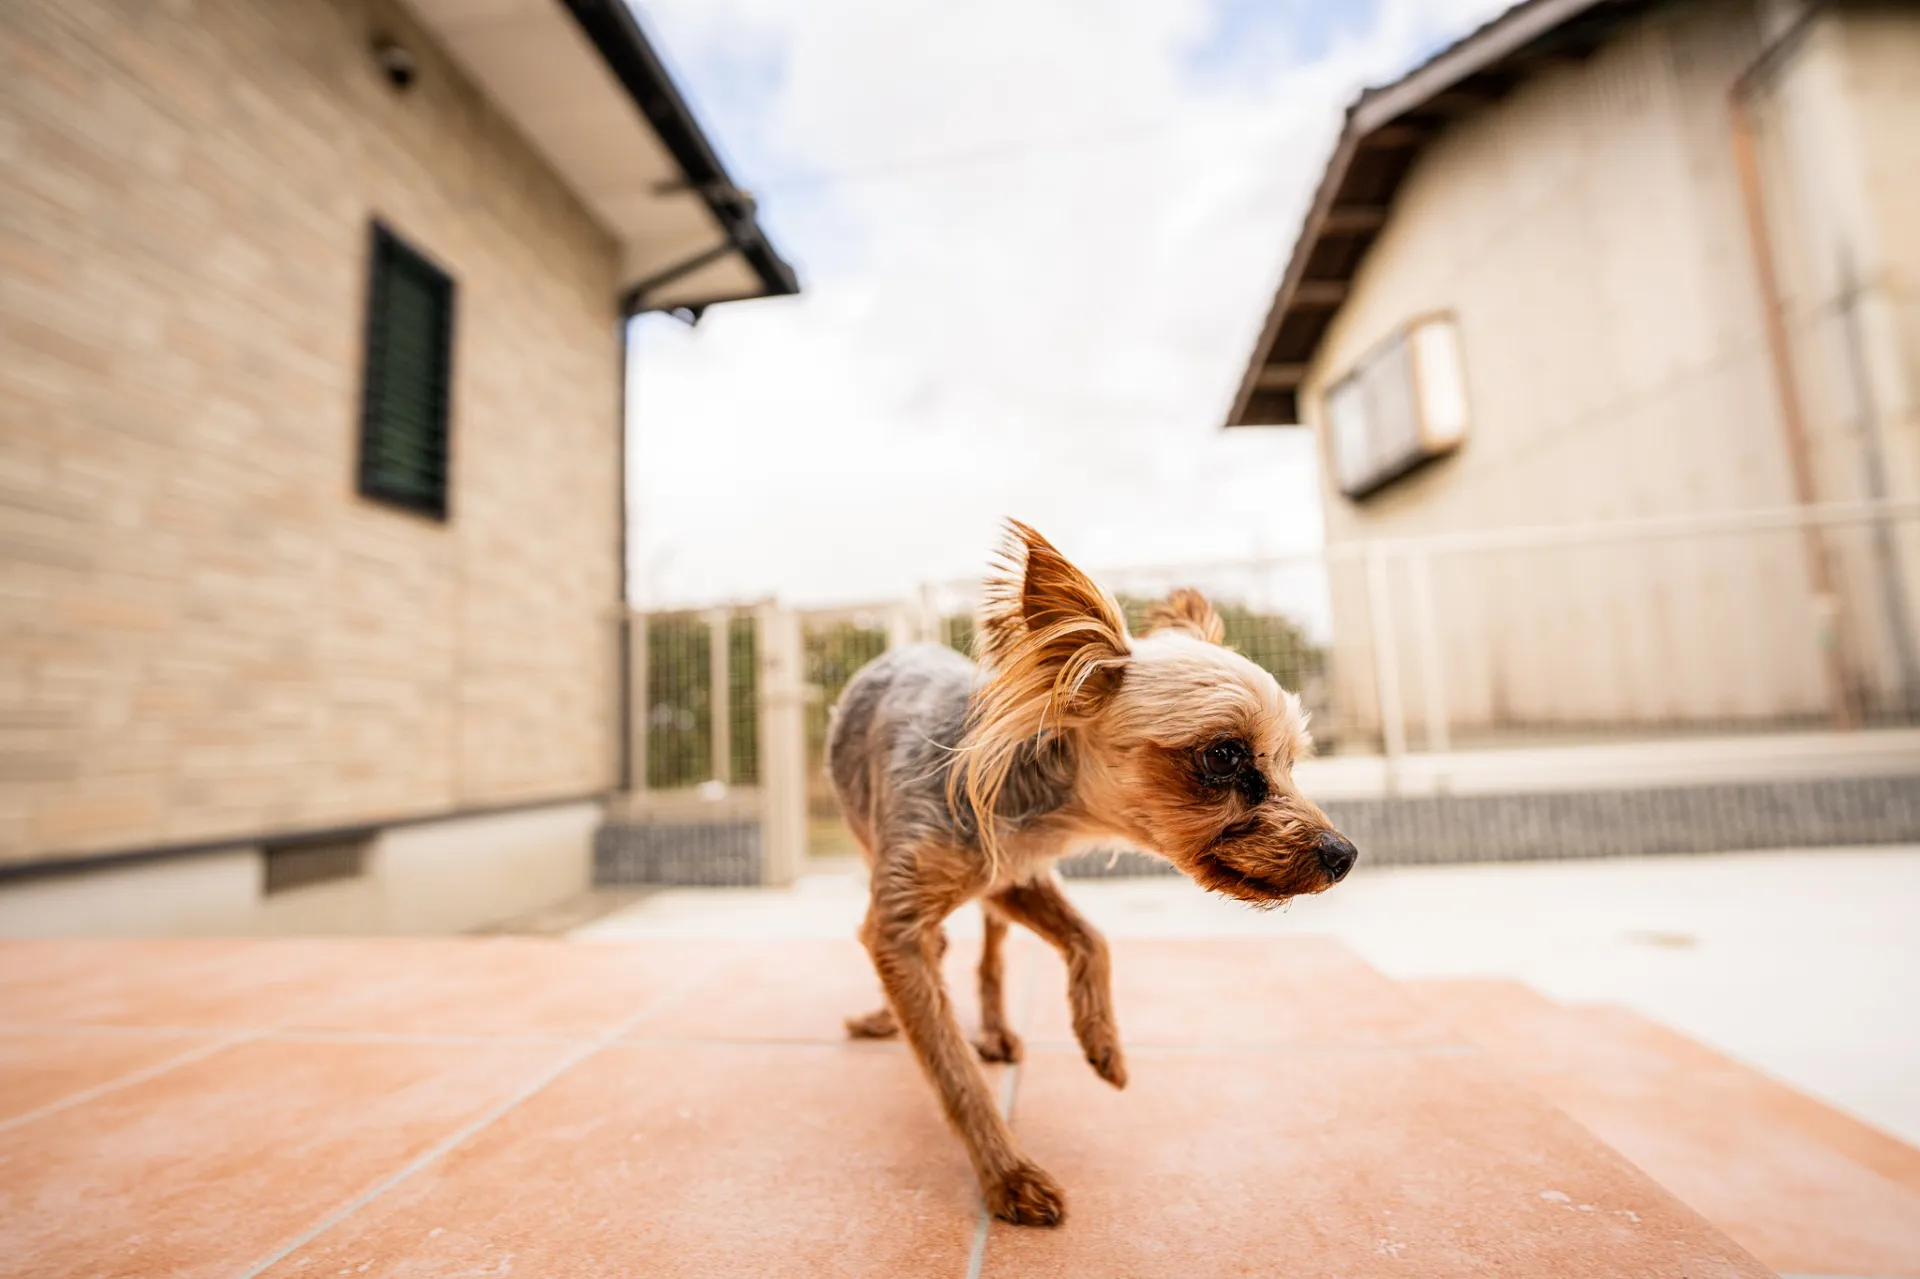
(204, 631)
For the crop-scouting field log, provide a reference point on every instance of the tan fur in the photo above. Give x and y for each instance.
(1074, 732)
(1053, 640)
(1187, 610)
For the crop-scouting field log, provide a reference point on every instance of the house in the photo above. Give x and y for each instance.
(312, 494)
(1614, 260)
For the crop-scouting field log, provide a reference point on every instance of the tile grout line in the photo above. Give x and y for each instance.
(1278, 1050)
(22, 1029)
(977, 1257)
(129, 1079)
(320, 1035)
(295, 1035)
(298, 1034)
(470, 1130)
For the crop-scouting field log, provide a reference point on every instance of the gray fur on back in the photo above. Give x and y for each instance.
(893, 745)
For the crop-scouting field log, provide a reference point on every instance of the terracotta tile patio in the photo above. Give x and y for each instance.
(1810, 1190)
(466, 1106)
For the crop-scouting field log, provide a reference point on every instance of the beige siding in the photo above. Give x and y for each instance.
(204, 631)
(1843, 171)
(1587, 232)
(1883, 57)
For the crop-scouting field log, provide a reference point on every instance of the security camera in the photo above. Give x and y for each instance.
(396, 62)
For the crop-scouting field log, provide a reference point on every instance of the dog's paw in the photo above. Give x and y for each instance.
(998, 1045)
(1108, 1062)
(879, 1024)
(1027, 1196)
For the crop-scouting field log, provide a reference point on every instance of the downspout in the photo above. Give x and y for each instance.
(632, 303)
(628, 695)
(1779, 349)
(1873, 465)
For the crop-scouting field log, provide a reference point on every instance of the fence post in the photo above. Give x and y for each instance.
(639, 701)
(720, 695)
(1427, 638)
(929, 615)
(901, 627)
(783, 746)
(1386, 665)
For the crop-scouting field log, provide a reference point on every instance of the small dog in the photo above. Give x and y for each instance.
(964, 783)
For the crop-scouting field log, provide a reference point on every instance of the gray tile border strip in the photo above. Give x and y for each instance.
(1418, 830)
(1638, 822)
(722, 854)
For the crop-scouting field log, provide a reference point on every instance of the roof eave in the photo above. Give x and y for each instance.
(1388, 117)
(1330, 179)
(614, 31)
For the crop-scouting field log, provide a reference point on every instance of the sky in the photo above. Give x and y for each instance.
(1036, 240)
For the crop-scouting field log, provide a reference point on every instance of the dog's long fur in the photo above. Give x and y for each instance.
(964, 782)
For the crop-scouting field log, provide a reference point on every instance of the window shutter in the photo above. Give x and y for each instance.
(409, 357)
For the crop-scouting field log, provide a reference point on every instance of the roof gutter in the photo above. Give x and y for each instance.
(616, 33)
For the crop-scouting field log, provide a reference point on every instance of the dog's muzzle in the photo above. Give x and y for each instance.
(1337, 855)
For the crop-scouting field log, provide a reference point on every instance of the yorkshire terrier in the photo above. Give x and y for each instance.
(964, 782)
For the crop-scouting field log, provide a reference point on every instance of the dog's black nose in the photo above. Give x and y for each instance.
(1337, 855)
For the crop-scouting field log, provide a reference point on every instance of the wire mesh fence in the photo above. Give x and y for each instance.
(834, 646)
(1699, 629)
(701, 708)
(1763, 622)
(679, 705)
(743, 702)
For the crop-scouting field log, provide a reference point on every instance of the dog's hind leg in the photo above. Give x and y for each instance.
(882, 1024)
(878, 1024)
(996, 1040)
(1044, 908)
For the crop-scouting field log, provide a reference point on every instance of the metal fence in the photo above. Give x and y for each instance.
(1451, 647)
(835, 644)
(702, 699)
(1704, 624)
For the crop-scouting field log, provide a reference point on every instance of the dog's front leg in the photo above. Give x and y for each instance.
(900, 941)
(1043, 907)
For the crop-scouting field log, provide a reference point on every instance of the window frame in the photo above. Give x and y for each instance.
(1429, 444)
(387, 249)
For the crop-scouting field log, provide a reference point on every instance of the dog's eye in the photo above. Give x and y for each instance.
(1223, 760)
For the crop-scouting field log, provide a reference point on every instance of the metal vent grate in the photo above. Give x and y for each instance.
(303, 863)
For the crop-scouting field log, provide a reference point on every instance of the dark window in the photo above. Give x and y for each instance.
(403, 418)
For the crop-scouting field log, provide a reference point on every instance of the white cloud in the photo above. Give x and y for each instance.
(1050, 329)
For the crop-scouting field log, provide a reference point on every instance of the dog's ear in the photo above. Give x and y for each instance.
(1047, 624)
(1054, 650)
(1187, 610)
